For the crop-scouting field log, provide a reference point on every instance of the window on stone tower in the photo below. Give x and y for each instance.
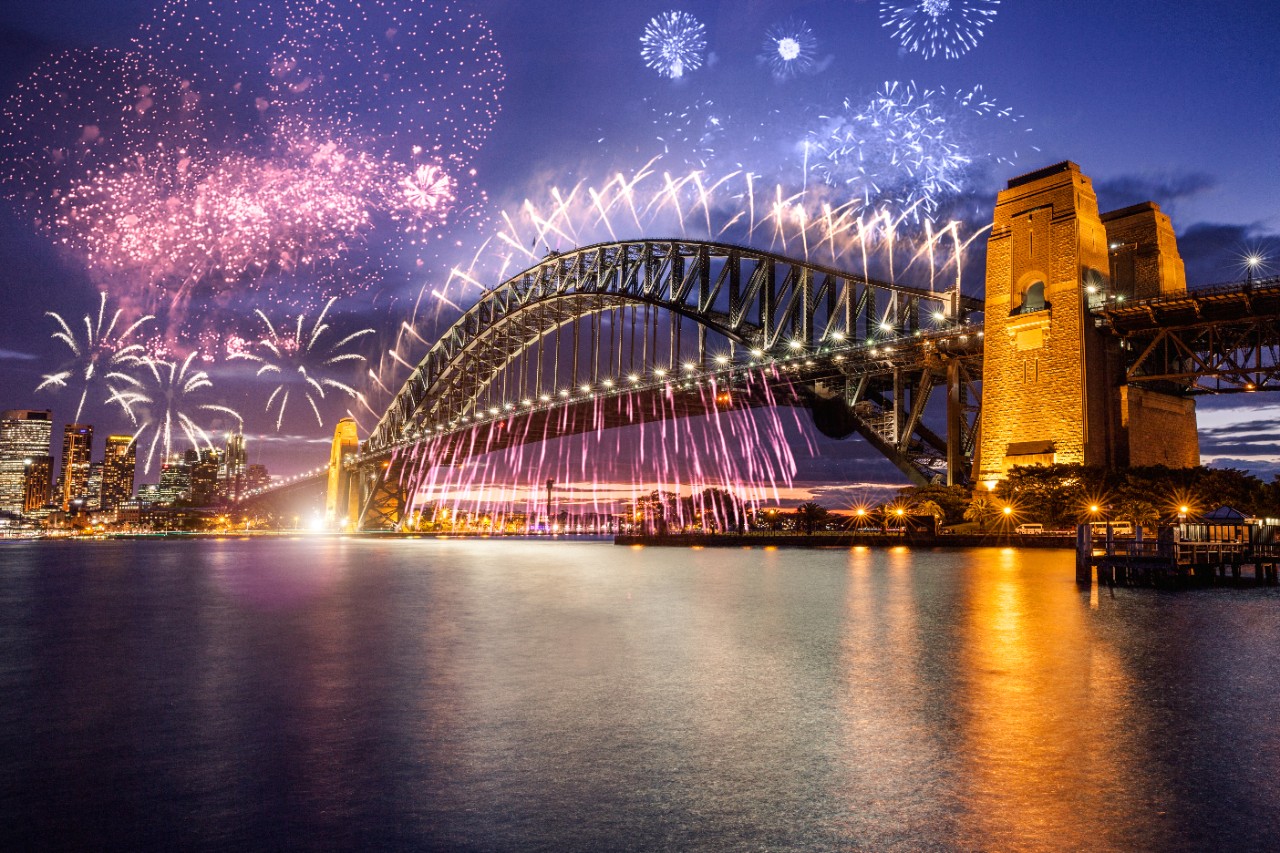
(1032, 299)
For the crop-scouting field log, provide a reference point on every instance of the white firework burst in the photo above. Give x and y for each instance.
(163, 400)
(673, 44)
(297, 360)
(790, 48)
(908, 148)
(949, 28)
(104, 347)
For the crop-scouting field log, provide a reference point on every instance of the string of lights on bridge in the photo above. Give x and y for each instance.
(794, 355)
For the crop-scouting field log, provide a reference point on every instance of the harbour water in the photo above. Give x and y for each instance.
(344, 694)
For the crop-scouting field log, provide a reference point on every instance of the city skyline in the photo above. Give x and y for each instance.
(1220, 209)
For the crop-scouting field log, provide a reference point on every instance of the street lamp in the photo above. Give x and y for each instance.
(1253, 263)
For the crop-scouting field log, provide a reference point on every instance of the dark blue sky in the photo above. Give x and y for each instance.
(1175, 101)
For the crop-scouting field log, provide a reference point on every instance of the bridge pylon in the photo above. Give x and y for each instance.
(1053, 381)
(342, 497)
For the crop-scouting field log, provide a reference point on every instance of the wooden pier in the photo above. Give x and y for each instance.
(1169, 562)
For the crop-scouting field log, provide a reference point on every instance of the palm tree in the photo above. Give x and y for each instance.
(980, 510)
(810, 516)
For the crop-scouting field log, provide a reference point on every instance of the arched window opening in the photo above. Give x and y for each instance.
(1032, 299)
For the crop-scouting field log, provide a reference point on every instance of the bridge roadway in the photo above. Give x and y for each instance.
(860, 375)
(1219, 339)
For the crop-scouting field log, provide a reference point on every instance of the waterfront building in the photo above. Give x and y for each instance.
(175, 481)
(119, 467)
(256, 477)
(77, 449)
(204, 467)
(91, 499)
(24, 434)
(233, 469)
(37, 483)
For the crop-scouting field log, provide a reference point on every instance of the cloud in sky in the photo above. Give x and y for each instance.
(1164, 188)
(1215, 252)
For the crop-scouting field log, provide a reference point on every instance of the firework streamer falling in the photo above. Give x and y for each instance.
(108, 344)
(673, 44)
(164, 401)
(790, 49)
(931, 28)
(297, 360)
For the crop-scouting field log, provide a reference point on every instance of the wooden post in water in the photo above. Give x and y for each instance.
(1084, 555)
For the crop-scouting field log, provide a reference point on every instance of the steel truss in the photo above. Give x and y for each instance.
(1218, 340)
(756, 300)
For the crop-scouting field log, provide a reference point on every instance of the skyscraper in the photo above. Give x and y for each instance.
(119, 465)
(234, 464)
(175, 480)
(37, 483)
(77, 448)
(204, 466)
(24, 434)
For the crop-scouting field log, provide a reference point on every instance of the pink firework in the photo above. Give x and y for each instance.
(186, 228)
(429, 191)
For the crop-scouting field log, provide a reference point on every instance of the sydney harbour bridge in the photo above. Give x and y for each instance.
(1086, 345)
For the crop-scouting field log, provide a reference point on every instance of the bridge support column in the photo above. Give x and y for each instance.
(342, 498)
(382, 499)
(956, 461)
(1051, 377)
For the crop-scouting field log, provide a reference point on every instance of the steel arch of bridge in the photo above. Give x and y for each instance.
(760, 300)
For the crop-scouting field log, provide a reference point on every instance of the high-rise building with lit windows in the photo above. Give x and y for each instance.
(77, 449)
(234, 468)
(37, 484)
(24, 434)
(119, 464)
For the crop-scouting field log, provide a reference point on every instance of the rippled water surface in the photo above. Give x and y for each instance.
(435, 695)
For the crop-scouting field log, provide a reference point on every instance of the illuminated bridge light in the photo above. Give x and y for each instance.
(795, 344)
(659, 372)
(585, 389)
(758, 353)
(608, 383)
(633, 378)
(564, 392)
(508, 406)
(886, 327)
(526, 402)
(494, 410)
(688, 365)
(544, 398)
(939, 316)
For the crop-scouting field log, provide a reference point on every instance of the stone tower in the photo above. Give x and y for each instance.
(1053, 383)
(342, 498)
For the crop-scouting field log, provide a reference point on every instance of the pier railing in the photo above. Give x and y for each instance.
(1168, 561)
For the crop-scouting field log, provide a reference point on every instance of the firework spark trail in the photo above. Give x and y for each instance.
(673, 44)
(949, 28)
(790, 49)
(102, 350)
(296, 357)
(177, 227)
(424, 74)
(267, 161)
(163, 398)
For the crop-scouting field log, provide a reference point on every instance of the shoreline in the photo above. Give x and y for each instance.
(845, 540)
(681, 540)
